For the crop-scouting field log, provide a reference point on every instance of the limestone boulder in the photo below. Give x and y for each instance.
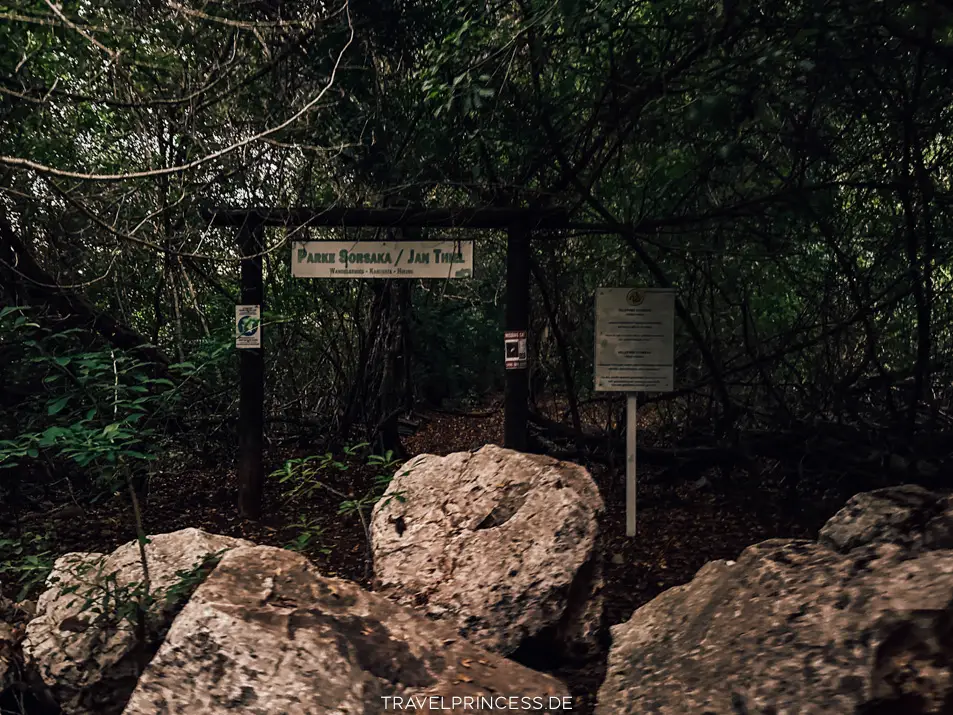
(82, 642)
(7, 643)
(859, 623)
(7, 650)
(267, 634)
(909, 515)
(500, 544)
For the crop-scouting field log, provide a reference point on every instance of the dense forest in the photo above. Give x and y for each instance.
(783, 166)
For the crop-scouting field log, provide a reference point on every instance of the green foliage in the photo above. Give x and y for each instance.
(303, 477)
(100, 410)
(387, 465)
(781, 165)
(111, 603)
(27, 561)
(190, 579)
(310, 532)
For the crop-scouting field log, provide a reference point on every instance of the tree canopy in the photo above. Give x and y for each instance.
(783, 165)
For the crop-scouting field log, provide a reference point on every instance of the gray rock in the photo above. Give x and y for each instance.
(792, 628)
(909, 516)
(89, 657)
(7, 650)
(501, 544)
(267, 634)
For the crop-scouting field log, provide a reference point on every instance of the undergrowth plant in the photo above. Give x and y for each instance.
(302, 477)
(111, 603)
(94, 410)
(98, 410)
(27, 561)
(310, 532)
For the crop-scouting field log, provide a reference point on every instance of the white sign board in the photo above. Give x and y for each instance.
(514, 343)
(382, 259)
(635, 340)
(247, 326)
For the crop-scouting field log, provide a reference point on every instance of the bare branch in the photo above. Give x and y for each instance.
(52, 171)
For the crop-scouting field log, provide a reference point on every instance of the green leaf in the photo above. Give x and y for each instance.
(57, 406)
(10, 309)
(51, 434)
(139, 455)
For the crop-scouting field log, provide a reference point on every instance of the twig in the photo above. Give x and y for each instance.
(52, 171)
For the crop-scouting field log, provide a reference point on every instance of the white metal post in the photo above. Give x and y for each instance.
(630, 425)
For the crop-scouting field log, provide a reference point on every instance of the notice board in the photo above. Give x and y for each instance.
(635, 340)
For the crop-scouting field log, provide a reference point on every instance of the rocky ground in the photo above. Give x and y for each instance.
(680, 527)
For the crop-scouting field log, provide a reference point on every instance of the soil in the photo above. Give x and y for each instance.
(680, 526)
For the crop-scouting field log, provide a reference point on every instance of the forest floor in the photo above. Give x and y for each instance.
(679, 528)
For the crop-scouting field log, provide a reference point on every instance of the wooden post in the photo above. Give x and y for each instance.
(516, 409)
(251, 406)
(631, 414)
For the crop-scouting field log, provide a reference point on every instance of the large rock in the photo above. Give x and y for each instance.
(7, 650)
(7, 643)
(907, 515)
(500, 544)
(266, 634)
(88, 655)
(796, 627)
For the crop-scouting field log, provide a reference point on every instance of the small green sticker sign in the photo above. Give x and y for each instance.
(247, 326)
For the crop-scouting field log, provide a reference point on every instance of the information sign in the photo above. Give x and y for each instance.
(635, 338)
(514, 342)
(635, 348)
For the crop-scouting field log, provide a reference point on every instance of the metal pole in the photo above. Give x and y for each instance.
(630, 427)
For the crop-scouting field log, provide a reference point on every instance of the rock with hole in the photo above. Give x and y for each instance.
(266, 633)
(908, 515)
(501, 544)
(83, 642)
(797, 627)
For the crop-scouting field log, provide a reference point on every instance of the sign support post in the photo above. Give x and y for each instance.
(630, 492)
(251, 400)
(516, 391)
(635, 343)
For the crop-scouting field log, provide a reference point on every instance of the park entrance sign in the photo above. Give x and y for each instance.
(635, 348)
(382, 259)
(316, 259)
